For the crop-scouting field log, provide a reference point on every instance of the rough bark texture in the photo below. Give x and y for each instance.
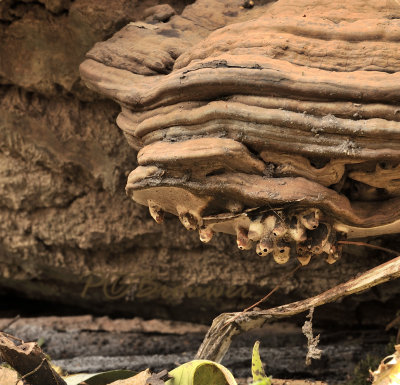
(69, 233)
(29, 361)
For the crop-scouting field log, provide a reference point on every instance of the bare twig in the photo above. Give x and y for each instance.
(396, 253)
(32, 371)
(11, 337)
(394, 323)
(284, 278)
(219, 336)
(15, 319)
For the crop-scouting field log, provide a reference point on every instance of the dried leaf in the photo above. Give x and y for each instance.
(139, 379)
(158, 378)
(105, 378)
(8, 377)
(388, 372)
(313, 353)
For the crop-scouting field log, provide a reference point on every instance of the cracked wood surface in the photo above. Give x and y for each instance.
(29, 361)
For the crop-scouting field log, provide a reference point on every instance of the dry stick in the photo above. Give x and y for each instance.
(28, 360)
(394, 323)
(221, 332)
(284, 278)
(15, 319)
(396, 253)
(31, 372)
(11, 337)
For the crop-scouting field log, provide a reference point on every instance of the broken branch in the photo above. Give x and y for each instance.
(29, 361)
(290, 274)
(219, 337)
(15, 319)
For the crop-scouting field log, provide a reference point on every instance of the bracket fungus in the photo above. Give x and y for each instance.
(279, 124)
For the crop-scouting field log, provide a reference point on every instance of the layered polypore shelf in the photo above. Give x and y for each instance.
(278, 129)
(217, 185)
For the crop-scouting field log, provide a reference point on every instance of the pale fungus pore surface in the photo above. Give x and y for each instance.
(279, 124)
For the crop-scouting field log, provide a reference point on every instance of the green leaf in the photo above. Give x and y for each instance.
(40, 342)
(257, 370)
(103, 378)
(201, 372)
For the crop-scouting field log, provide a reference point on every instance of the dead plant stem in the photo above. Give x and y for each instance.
(356, 243)
(31, 372)
(284, 278)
